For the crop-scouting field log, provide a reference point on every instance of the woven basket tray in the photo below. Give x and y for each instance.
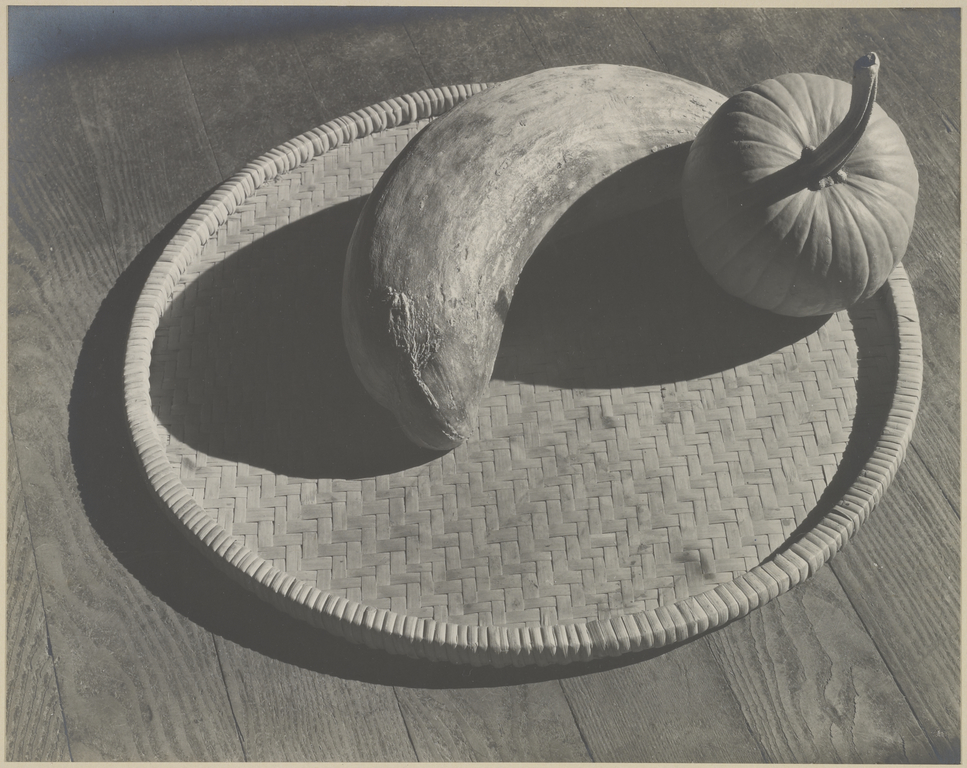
(653, 460)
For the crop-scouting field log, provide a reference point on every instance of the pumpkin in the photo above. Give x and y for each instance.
(441, 241)
(799, 194)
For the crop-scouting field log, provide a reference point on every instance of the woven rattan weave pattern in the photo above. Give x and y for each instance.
(570, 505)
(645, 452)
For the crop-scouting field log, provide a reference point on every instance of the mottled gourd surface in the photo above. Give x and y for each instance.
(441, 241)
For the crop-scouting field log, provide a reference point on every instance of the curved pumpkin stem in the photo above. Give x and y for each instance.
(822, 164)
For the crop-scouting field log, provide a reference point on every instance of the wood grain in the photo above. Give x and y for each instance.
(277, 702)
(354, 65)
(133, 675)
(612, 720)
(271, 99)
(902, 573)
(676, 708)
(718, 47)
(142, 180)
(931, 260)
(885, 566)
(523, 723)
(932, 263)
(812, 684)
(927, 42)
(569, 36)
(285, 714)
(731, 47)
(482, 46)
(53, 200)
(33, 701)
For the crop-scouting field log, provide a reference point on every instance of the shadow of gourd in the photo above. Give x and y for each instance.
(258, 372)
(627, 304)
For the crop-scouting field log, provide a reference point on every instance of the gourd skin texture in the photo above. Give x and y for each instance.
(441, 241)
(818, 250)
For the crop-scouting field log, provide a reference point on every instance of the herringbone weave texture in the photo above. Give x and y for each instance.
(573, 503)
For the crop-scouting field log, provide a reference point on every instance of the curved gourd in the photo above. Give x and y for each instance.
(441, 241)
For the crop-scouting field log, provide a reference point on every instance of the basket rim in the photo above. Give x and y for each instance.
(444, 641)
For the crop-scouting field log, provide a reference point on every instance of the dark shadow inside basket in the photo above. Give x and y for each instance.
(263, 376)
(627, 304)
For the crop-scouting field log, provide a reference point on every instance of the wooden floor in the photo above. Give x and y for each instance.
(124, 644)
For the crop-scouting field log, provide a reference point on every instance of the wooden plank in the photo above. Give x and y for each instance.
(358, 64)
(472, 46)
(747, 46)
(812, 684)
(926, 46)
(150, 155)
(722, 48)
(288, 713)
(252, 95)
(35, 720)
(678, 707)
(135, 677)
(902, 572)
(568, 36)
(521, 723)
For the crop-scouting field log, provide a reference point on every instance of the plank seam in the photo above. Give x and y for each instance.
(577, 724)
(954, 507)
(647, 39)
(228, 696)
(834, 567)
(523, 29)
(97, 182)
(419, 56)
(40, 591)
(201, 120)
(406, 725)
